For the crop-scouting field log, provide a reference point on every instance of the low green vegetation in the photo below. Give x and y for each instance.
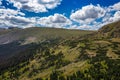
(70, 60)
(78, 56)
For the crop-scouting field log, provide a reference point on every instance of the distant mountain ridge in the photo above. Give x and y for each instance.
(14, 34)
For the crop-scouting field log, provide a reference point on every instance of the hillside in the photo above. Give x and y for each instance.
(14, 41)
(60, 54)
(111, 30)
(26, 36)
(3, 31)
(36, 34)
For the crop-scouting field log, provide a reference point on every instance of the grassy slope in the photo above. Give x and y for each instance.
(40, 34)
(3, 31)
(18, 41)
(111, 30)
(75, 57)
(85, 59)
(14, 39)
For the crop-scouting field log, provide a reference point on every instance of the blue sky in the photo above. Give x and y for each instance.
(70, 14)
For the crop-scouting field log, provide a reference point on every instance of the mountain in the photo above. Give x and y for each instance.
(60, 54)
(3, 31)
(14, 41)
(36, 34)
(111, 30)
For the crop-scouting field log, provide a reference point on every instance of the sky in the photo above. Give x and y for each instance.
(69, 14)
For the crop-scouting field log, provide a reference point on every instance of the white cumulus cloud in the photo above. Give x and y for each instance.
(13, 18)
(115, 17)
(10, 12)
(82, 27)
(36, 5)
(115, 6)
(89, 17)
(93, 17)
(56, 20)
(88, 14)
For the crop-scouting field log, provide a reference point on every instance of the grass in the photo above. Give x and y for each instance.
(47, 33)
(111, 54)
(68, 55)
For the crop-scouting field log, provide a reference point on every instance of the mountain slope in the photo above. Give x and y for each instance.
(111, 30)
(15, 38)
(39, 34)
(14, 42)
(69, 57)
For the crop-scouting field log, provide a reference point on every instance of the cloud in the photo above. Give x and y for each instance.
(10, 12)
(82, 27)
(13, 18)
(115, 17)
(88, 14)
(112, 14)
(115, 6)
(56, 20)
(18, 21)
(36, 5)
(94, 26)
(90, 17)
(93, 17)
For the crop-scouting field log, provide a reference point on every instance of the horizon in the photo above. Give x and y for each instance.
(58, 13)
